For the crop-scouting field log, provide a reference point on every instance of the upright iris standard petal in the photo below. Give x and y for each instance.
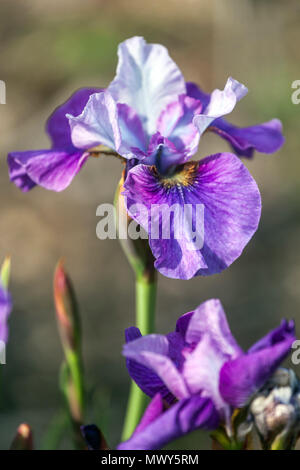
(220, 104)
(176, 123)
(265, 138)
(5, 309)
(201, 372)
(209, 318)
(97, 124)
(185, 416)
(52, 169)
(230, 200)
(105, 122)
(147, 80)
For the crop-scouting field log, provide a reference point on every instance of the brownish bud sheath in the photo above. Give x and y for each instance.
(23, 440)
(66, 309)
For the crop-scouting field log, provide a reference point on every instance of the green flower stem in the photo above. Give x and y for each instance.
(75, 367)
(145, 318)
(140, 258)
(145, 303)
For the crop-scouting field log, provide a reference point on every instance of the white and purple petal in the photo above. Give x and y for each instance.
(185, 416)
(220, 104)
(264, 138)
(210, 319)
(152, 351)
(201, 372)
(176, 123)
(147, 380)
(147, 80)
(97, 124)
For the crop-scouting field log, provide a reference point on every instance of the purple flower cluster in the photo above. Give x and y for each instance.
(198, 374)
(154, 119)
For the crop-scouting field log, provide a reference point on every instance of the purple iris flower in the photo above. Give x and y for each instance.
(5, 309)
(151, 116)
(197, 365)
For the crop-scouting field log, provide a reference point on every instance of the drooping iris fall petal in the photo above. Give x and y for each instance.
(231, 206)
(185, 416)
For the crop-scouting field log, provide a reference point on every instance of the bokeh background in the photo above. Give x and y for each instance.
(48, 50)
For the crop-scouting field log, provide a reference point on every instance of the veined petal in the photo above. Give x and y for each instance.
(133, 139)
(220, 104)
(147, 380)
(176, 123)
(264, 138)
(97, 124)
(5, 309)
(201, 372)
(244, 376)
(58, 125)
(51, 169)
(152, 351)
(221, 187)
(147, 79)
(185, 416)
(209, 318)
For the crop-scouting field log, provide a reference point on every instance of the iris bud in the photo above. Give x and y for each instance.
(275, 410)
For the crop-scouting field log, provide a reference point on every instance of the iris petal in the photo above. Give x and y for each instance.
(152, 351)
(209, 318)
(242, 377)
(185, 416)
(148, 381)
(220, 104)
(51, 169)
(265, 138)
(229, 196)
(147, 80)
(97, 124)
(58, 125)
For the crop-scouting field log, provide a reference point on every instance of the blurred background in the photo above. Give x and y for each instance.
(48, 50)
